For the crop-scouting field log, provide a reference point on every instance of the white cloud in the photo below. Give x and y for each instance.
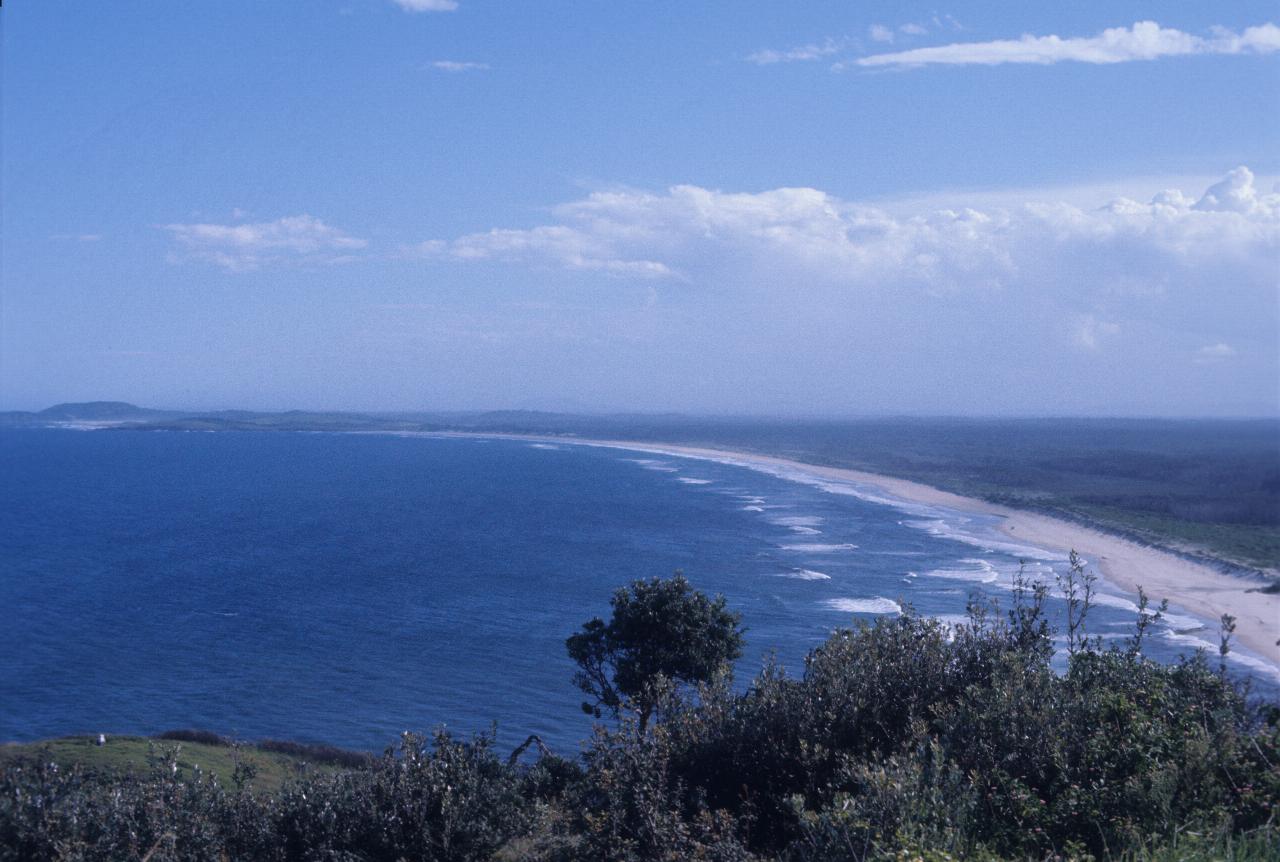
(244, 247)
(1062, 300)
(427, 5)
(1057, 301)
(1212, 353)
(1236, 193)
(1145, 40)
(813, 51)
(551, 245)
(688, 229)
(454, 66)
(803, 297)
(829, 46)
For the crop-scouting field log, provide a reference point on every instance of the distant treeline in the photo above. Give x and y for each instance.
(904, 739)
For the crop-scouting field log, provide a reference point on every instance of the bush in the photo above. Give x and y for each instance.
(902, 739)
(323, 754)
(204, 737)
(660, 631)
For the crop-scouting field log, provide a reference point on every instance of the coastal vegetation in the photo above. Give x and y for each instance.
(905, 738)
(271, 763)
(660, 631)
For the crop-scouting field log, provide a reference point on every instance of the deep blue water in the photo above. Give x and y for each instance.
(344, 588)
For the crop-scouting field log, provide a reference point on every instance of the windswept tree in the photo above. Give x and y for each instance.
(660, 629)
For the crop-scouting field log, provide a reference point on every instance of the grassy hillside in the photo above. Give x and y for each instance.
(122, 755)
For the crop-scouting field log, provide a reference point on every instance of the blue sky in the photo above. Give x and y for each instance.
(808, 208)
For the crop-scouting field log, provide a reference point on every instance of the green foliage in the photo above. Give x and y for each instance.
(634, 807)
(445, 801)
(124, 754)
(903, 734)
(902, 740)
(660, 630)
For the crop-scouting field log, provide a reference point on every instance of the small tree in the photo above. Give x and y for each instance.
(1077, 588)
(660, 629)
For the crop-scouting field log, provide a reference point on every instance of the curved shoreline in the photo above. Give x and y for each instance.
(1196, 587)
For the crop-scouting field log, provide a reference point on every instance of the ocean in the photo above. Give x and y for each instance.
(343, 588)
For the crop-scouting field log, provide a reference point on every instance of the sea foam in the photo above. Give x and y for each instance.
(958, 529)
(979, 571)
(804, 575)
(877, 605)
(797, 521)
(1258, 665)
(652, 464)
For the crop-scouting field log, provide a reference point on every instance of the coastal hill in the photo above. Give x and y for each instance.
(1208, 489)
(118, 411)
(87, 411)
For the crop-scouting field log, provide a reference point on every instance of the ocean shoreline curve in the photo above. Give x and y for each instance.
(1194, 586)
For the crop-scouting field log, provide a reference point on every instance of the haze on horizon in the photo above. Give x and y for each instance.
(978, 209)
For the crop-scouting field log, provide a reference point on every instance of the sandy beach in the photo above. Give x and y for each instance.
(1194, 587)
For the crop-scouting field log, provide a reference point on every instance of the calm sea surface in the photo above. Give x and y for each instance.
(344, 588)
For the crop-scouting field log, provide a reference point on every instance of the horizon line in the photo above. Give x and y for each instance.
(833, 416)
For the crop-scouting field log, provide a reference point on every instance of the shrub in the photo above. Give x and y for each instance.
(902, 739)
(204, 737)
(660, 629)
(324, 754)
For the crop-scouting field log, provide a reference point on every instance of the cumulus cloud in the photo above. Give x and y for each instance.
(800, 296)
(455, 66)
(1236, 193)
(427, 5)
(244, 247)
(1057, 300)
(688, 229)
(1145, 40)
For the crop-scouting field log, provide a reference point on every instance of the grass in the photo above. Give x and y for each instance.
(1253, 545)
(1259, 845)
(123, 754)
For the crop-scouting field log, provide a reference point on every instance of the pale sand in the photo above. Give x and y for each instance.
(1195, 587)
